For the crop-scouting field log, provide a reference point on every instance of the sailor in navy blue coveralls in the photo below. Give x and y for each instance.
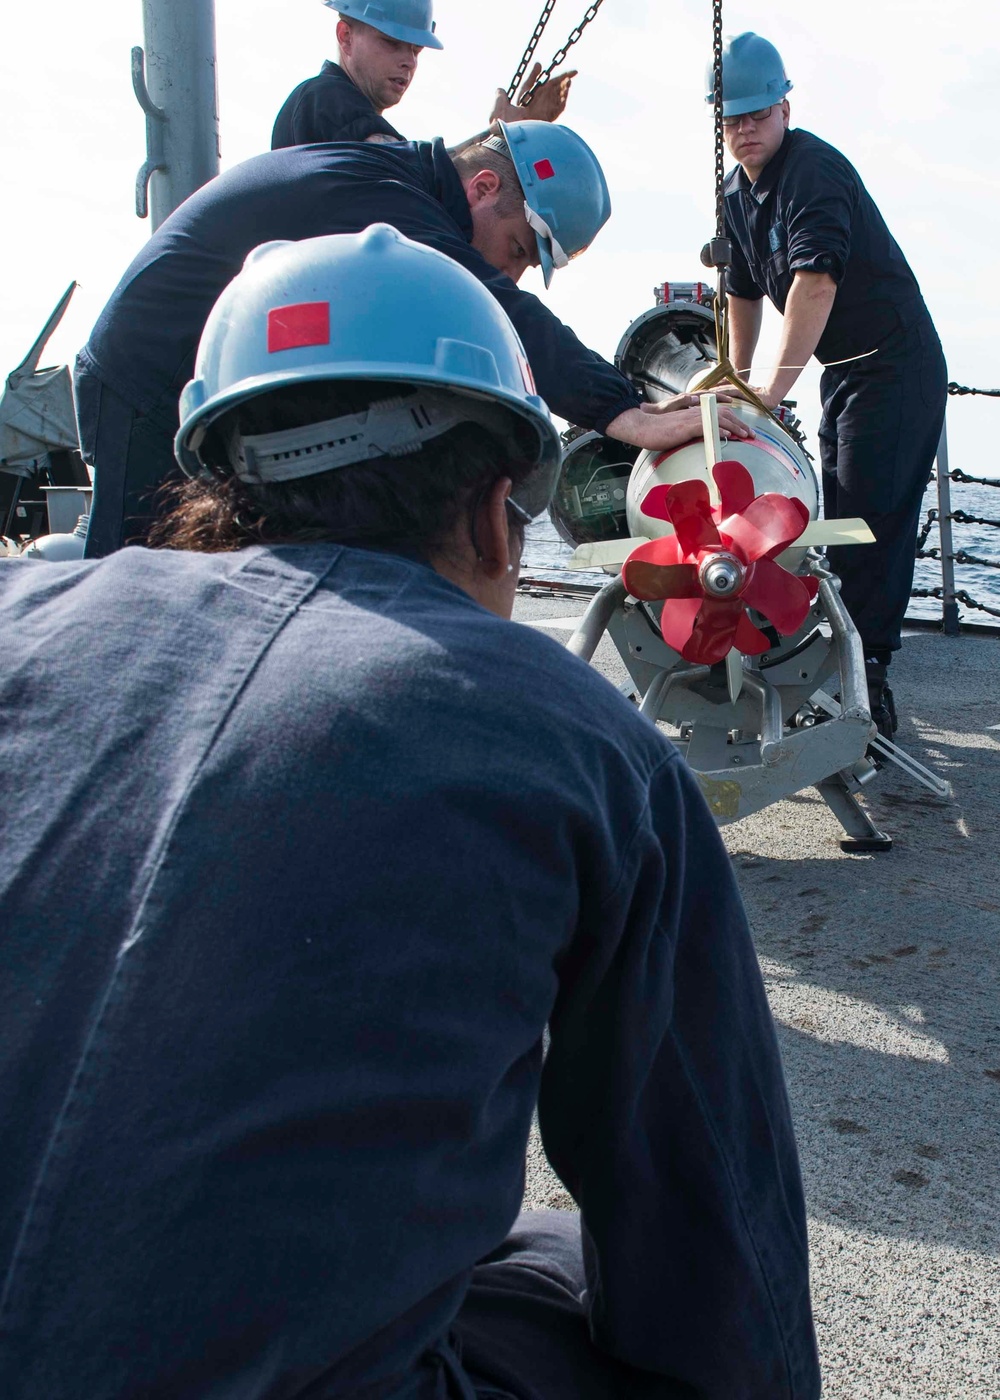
(323, 849)
(805, 215)
(346, 101)
(329, 107)
(141, 351)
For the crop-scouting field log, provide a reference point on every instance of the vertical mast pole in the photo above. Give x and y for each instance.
(174, 80)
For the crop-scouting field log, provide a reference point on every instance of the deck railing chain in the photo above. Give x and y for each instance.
(961, 389)
(961, 596)
(943, 517)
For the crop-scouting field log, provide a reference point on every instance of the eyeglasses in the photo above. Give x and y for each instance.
(520, 515)
(538, 225)
(760, 116)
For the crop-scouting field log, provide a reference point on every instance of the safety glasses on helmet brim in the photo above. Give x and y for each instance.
(550, 252)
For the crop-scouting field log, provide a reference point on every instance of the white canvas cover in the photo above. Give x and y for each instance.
(36, 407)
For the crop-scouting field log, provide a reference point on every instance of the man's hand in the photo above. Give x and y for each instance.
(547, 104)
(766, 396)
(679, 401)
(670, 425)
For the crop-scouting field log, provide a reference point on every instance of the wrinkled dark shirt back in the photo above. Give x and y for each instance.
(143, 345)
(312, 849)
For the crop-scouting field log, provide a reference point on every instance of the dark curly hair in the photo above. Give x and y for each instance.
(412, 502)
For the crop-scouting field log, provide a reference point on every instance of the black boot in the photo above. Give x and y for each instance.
(880, 700)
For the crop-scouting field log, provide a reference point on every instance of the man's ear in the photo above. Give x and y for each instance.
(344, 36)
(482, 186)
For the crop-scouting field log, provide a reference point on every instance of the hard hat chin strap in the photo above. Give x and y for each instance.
(394, 427)
(560, 258)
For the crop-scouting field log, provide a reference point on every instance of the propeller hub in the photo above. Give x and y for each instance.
(721, 575)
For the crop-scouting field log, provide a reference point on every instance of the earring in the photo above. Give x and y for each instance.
(510, 568)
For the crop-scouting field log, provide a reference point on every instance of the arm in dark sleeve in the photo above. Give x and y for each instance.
(663, 1109)
(325, 110)
(818, 205)
(576, 383)
(739, 279)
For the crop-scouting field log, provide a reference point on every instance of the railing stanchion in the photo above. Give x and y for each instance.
(949, 603)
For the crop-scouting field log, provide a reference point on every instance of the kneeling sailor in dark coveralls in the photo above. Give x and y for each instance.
(326, 845)
(534, 195)
(379, 47)
(806, 233)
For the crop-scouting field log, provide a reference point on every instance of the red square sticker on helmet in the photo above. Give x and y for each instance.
(543, 169)
(527, 378)
(292, 327)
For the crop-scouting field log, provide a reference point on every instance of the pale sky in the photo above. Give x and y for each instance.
(907, 89)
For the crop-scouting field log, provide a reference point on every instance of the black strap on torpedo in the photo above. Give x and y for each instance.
(560, 54)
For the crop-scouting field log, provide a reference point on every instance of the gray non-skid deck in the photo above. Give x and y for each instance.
(883, 973)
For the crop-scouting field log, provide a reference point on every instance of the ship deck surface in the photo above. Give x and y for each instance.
(883, 973)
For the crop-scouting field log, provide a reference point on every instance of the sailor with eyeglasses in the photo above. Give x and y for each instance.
(808, 235)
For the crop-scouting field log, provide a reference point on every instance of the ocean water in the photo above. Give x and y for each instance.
(546, 555)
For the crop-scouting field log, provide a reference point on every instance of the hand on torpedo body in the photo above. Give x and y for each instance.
(807, 310)
(658, 427)
(547, 103)
(692, 400)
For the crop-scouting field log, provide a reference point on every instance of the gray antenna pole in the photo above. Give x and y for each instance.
(174, 82)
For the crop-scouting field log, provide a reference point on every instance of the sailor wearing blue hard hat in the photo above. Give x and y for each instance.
(328, 847)
(807, 234)
(532, 196)
(380, 43)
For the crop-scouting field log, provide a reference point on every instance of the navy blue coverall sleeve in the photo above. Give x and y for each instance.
(818, 209)
(671, 1127)
(739, 279)
(576, 383)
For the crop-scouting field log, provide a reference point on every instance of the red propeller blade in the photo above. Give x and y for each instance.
(714, 631)
(749, 640)
(677, 622)
(768, 525)
(735, 487)
(702, 631)
(652, 582)
(782, 597)
(654, 503)
(656, 570)
(691, 515)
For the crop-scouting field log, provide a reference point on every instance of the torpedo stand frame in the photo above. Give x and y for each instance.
(771, 741)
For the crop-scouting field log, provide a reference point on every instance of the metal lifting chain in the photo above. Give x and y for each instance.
(719, 253)
(720, 149)
(529, 52)
(560, 53)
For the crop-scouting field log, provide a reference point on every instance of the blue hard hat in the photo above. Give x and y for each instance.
(565, 192)
(411, 21)
(369, 306)
(753, 75)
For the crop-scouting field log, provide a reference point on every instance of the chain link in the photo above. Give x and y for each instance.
(960, 597)
(956, 474)
(560, 54)
(720, 150)
(964, 519)
(954, 388)
(529, 52)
